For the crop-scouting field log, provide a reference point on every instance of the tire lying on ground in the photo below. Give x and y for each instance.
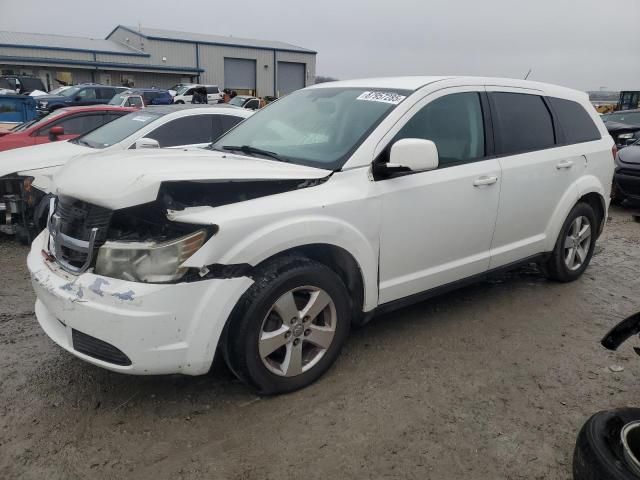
(598, 454)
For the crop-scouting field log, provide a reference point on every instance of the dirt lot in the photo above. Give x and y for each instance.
(492, 381)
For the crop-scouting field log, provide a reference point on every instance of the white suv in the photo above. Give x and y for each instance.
(334, 203)
(184, 93)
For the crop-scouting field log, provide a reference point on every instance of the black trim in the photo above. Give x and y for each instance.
(560, 137)
(489, 135)
(96, 348)
(434, 292)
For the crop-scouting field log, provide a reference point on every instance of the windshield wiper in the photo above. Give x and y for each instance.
(249, 150)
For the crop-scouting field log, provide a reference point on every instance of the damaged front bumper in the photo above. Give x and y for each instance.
(131, 327)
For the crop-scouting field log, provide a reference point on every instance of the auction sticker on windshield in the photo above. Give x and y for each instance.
(385, 97)
(141, 118)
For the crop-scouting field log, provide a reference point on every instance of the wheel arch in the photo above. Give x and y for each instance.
(342, 262)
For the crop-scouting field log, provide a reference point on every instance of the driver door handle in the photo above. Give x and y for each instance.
(564, 164)
(484, 181)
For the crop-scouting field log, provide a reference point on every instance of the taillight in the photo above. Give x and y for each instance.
(614, 151)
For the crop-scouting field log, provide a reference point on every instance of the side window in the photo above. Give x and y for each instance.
(252, 104)
(106, 93)
(211, 90)
(184, 131)
(228, 122)
(77, 125)
(454, 123)
(134, 102)
(87, 94)
(189, 92)
(575, 122)
(523, 123)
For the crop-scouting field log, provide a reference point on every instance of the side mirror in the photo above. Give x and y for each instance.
(55, 132)
(147, 143)
(413, 154)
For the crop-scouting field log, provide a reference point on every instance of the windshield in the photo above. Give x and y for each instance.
(70, 92)
(632, 118)
(117, 100)
(319, 127)
(117, 130)
(180, 90)
(38, 121)
(237, 101)
(58, 91)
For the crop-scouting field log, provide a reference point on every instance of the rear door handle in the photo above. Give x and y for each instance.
(564, 164)
(484, 180)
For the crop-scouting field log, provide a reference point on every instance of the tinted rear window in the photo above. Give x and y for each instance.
(574, 121)
(523, 122)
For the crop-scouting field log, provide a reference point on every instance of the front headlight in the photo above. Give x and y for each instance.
(625, 135)
(43, 104)
(152, 262)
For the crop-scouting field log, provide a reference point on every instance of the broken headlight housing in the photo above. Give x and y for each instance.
(149, 262)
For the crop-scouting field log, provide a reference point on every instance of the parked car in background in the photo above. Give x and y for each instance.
(25, 174)
(624, 127)
(245, 101)
(78, 95)
(63, 124)
(128, 100)
(151, 96)
(626, 180)
(24, 84)
(184, 93)
(338, 202)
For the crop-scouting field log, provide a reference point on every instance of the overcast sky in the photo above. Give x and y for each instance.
(585, 44)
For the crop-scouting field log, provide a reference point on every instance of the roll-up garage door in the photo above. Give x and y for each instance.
(290, 77)
(239, 74)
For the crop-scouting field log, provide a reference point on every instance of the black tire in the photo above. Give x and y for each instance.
(271, 281)
(556, 267)
(179, 102)
(598, 454)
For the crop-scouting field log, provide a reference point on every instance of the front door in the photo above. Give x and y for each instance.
(437, 226)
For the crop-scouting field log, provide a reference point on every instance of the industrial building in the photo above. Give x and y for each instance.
(146, 57)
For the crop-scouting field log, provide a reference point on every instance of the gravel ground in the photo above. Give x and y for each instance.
(491, 381)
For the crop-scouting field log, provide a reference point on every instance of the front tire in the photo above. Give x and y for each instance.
(574, 246)
(289, 327)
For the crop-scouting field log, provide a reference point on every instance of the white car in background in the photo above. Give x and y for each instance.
(338, 202)
(167, 126)
(184, 93)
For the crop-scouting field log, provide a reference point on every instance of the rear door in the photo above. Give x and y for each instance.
(536, 172)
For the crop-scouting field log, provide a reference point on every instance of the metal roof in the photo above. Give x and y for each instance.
(64, 42)
(205, 38)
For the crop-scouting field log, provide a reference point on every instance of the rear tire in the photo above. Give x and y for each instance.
(289, 327)
(574, 246)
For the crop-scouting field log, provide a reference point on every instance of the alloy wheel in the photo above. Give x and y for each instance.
(577, 243)
(297, 331)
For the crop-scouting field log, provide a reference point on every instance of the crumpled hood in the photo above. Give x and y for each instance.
(26, 159)
(630, 154)
(129, 178)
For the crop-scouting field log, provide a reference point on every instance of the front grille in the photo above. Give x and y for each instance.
(96, 348)
(76, 219)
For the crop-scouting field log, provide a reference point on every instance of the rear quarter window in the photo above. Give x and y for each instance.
(575, 122)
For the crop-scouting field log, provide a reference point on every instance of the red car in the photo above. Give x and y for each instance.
(62, 124)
